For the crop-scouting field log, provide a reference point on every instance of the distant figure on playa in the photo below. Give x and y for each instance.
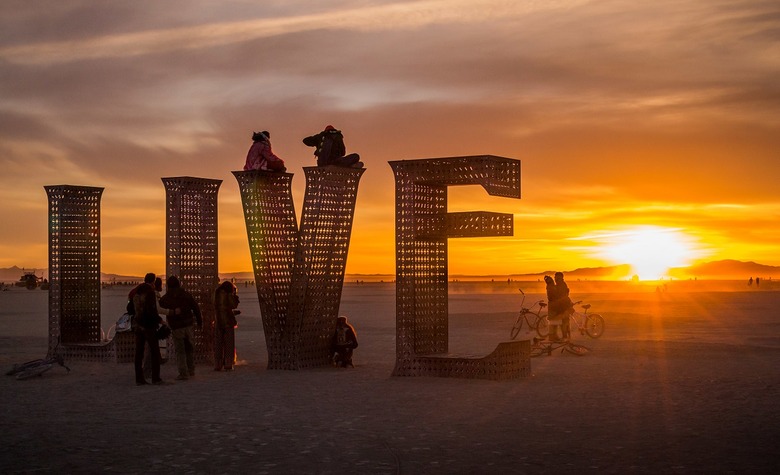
(758, 281)
(750, 281)
(226, 304)
(260, 155)
(343, 343)
(146, 320)
(330, 149)
(559, 305)
(183, 313)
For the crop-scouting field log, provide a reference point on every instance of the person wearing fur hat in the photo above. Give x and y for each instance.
(330, 149)
(260, 155)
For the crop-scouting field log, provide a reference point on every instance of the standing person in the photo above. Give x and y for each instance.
(260, 155)
(343, 343)
(330, 149)
(563, 303)
(146, 321)
(225, 303)
(552, 312)
(160, 311)
(183, 313)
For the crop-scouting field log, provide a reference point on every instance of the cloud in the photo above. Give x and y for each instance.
(619, 110)
(393, 16)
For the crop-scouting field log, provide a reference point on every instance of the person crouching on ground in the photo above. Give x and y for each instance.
(343, 343)
(225, 303)
(183, 313)
(330, 149)
(260, 155)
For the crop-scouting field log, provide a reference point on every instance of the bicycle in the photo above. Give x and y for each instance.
(546, 347)
(591, 324)
(534, 319)
(36, 367)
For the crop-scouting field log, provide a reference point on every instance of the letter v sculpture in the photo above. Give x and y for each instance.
(299, 272)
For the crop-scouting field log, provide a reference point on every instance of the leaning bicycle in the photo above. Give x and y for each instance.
(591, 324)
(534, 319)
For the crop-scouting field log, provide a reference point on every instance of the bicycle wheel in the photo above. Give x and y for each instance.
(543, 326)
(594, 325)
(518, 326)
(576, 349)
(34, 371)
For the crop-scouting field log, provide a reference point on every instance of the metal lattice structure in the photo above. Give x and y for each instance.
(299, 273)
(192, 242)
(423, 227)
(74, 272)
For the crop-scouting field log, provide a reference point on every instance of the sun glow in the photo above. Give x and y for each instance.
(650, 250)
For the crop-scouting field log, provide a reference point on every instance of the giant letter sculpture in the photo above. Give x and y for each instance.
(299, 273)
(422, 228)
(192, 243)
(74, 272)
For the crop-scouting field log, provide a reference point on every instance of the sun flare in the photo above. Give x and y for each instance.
(650, 250)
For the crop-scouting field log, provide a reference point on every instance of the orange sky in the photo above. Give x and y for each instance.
(651, 115)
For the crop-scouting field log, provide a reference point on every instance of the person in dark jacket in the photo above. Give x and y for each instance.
(225, 306)
(343, 343)
(560, 305)
(330, 149)
(146, 321)
(183, 313)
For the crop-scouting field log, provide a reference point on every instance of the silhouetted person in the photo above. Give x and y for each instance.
(225, 303)
(552, 314)
(260, 155)
(330, 149)
(758, 281)
(750, 281)
(160, 311)
(560, 305)
(183, 313)
(146, 320)
(343, 343)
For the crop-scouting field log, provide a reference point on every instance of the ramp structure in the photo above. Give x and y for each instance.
(191, 242)
(299, 272)
(422, 228)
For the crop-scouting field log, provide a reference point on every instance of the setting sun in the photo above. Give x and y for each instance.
(650, 250)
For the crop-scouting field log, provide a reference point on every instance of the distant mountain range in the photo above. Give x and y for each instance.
(717, 270)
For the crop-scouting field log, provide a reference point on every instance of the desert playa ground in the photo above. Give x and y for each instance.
(683, 381)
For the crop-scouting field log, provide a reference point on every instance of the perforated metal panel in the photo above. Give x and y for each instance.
(192, 248)
(299, 273)
(74, 267)
(422, 229)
